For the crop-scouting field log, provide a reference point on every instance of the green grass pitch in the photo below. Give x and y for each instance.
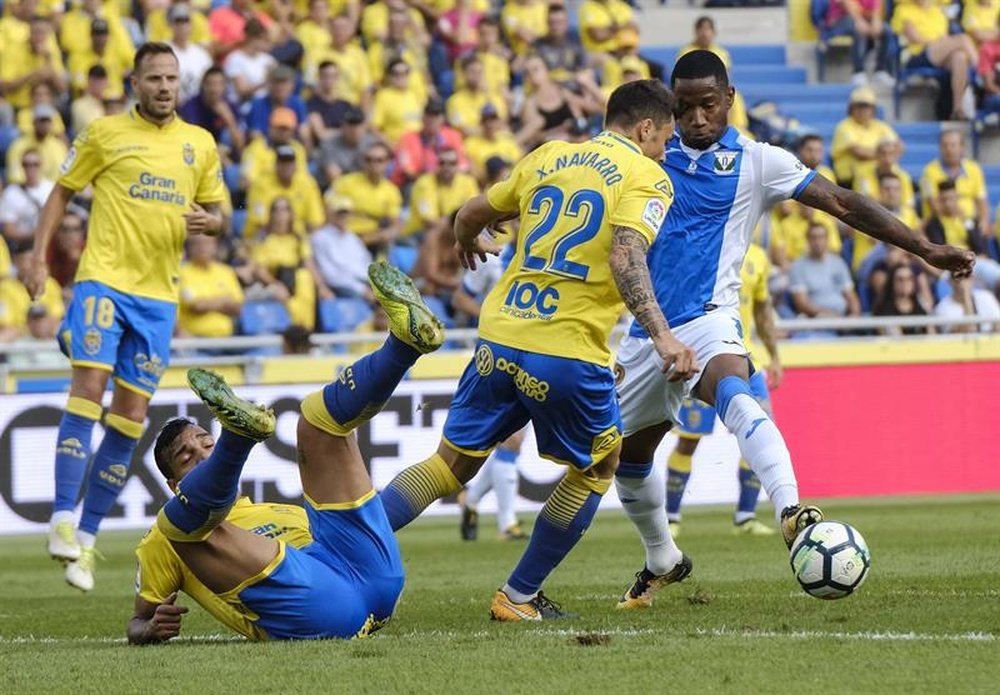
(927, 620)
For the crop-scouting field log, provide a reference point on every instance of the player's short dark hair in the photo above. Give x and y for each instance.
(164, 439)
(635, 101)
(806, 139)
(151, 48)
(946, 185)
(698, 65)
(704, 19)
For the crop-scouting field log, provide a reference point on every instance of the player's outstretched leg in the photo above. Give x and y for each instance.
(764, 448)
(504, 475)
(642, 493)
(208, 491)
(678, 474)
(745, 521)
(72, 455)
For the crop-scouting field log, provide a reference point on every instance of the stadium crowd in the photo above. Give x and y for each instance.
(351, 131)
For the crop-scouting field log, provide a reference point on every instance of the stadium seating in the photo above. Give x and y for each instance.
(264, 317)
(342, 315)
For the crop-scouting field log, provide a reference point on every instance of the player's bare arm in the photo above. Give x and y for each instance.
(763, 319)
(152, 623)
(48, 221)
(628, 266)
(475, 216)
(871, 218)
(204, 219)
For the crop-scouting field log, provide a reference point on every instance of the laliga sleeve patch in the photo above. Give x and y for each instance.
(654, 213)
(68, 162)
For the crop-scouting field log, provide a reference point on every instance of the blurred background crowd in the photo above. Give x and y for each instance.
(354, 130)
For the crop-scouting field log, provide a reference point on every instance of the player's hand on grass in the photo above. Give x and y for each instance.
(34, 280)
(679, 361)
(200, 221)
(958, 262)
(166, 621)
(478, 247)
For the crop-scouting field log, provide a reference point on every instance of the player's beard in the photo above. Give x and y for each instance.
(160, 106)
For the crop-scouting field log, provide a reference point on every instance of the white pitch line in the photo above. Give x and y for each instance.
(32, 639)
(865, 636)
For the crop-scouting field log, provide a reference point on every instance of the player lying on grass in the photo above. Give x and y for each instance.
(273, 571)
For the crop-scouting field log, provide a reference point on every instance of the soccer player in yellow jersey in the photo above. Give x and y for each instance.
(156, 180)
(277, 571)
(696, 419)
(588, 214)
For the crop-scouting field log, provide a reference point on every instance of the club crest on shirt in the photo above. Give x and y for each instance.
(725, 162)
(188, 153)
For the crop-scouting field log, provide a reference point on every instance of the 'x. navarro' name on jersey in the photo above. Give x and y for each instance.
(720, 194)
(558, 296)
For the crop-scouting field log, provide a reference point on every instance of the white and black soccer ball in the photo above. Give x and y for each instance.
(830, 559)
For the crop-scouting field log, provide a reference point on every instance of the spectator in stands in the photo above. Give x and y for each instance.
(967, 300)
(979, 20)
(494, 140)
(438, 271)
(495, 57)
(864, 21)
(401, 42)
(213, 111)
(375, 20)
(295, 339)
(524, 22)
(457, 28)
(66, 250)
(820, 282)
(90, 105)
(602, 21)
(561, 50)
(280, 93)
(377, 201)
(812, 153)
(326, 110)
(21, 203)
(416, 153)
(435, 196)
(551, 109)
(77, 29)
(790, 223)
(192, 57)
(159, 26)
(899, 298)
(953, 226)
(210, 293)
(856, 137)
(888, 257)
(15, 302)
(341, 256)
(259, 156)
(248, 66)
(231, 25)
(704, 40)
(117, 61)
(465, 106)
(344, 152)
(25, 64)
(887, 154)
(892, 195)
(964, 173)
(41, 94)
(397, 108)
(313, 33)
(282, 263)
(51, 149)
(289, 182)
(923, 28)
(355, 85)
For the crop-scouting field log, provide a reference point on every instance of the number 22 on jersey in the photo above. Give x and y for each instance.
(585, 207)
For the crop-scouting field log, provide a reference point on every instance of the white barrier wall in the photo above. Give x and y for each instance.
(405, 432)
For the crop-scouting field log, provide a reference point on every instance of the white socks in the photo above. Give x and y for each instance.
(764, 449)
(58, 517)
(481, 484)
(504, 475)
(86, 540)
(644, 501)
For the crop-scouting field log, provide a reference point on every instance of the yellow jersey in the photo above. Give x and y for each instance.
(465, 110)
(115, 63)
(849, 133)
(529, 15)
(52, 151)
(789, 232)
(18, 60)
(930, 22)
(970, 184)
(430, 200)
(599, 15)
(145, 178)
(259, 158)
(355, 77)
(863, 244)
(479, 149)
(303, 194)
(396, 112)
(160, 572)
(159, 29)
(216, 280)
(15, 302)
(496, 74)
(979, 17)
(373, 202)
(375, 21)
(280, 251)
(558, 296)
(868, 185)
(753, 287)
(378, 57)
(25, 120)
(74, 33)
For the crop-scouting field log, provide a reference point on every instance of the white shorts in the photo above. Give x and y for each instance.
(645, 396)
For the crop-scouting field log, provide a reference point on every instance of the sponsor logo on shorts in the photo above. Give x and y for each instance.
(484, 360)
(92, 341)
(604, 443)
(188, 153)
(526, 300)
(149, 364)
(529, 385)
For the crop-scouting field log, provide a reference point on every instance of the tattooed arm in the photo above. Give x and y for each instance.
(874, 220)
(631, 273)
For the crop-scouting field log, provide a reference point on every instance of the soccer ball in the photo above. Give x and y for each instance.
(830, 559)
